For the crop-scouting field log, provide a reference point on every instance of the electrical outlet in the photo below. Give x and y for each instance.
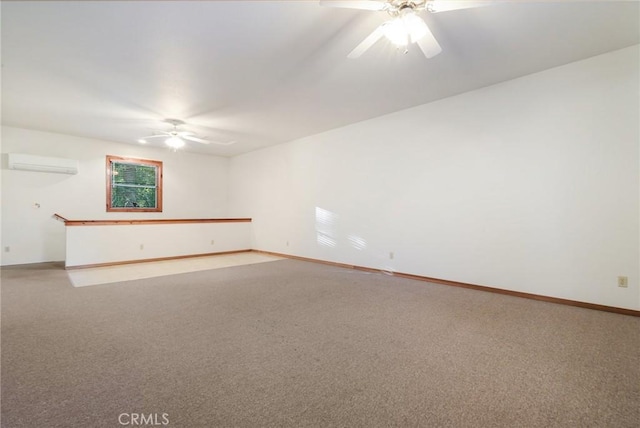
(142, 246)
(623, 281)
(7, 249)
(213, 241)
(391, 255)
(287, 243)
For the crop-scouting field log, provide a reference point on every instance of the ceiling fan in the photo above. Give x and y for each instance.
(406, 26)
(175, 138)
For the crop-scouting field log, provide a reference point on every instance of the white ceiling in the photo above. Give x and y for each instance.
(266, 72)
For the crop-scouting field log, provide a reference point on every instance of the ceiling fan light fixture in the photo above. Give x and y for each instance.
(396, 32)
(415, 26)
(407, 27)
(174, 142)
(142, 141)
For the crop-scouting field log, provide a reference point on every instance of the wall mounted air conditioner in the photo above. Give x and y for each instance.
(42, 164)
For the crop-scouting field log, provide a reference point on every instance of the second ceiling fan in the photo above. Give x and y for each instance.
(175, 138)
(406, 26)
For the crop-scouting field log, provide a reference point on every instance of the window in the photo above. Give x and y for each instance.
(134, 185)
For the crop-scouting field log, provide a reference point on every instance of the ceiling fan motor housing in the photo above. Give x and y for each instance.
(397, 7)
(174, 122)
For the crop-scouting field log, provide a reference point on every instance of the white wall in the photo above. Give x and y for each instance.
(195, 186)
(91, 245)
(530, 185)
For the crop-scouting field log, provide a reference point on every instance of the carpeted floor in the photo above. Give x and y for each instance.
(128, 272)
(297, 344)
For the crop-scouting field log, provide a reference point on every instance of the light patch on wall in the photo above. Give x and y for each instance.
(357, 242)
(325, 240)
(325, 227)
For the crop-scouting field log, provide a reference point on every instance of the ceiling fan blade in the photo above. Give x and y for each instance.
(196, 139)
(368, 42)
(203, 141)
(156, 136)
(435, 6)
(429, 45)
(355, 4)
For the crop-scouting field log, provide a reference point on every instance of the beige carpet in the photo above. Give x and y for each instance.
(127, 272)
(296, 344)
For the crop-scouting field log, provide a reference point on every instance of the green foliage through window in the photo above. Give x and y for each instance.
(134, 185)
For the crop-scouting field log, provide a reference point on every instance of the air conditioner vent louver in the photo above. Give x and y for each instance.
(42, 164)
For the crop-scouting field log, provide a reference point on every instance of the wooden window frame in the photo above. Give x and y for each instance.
(146, 162)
